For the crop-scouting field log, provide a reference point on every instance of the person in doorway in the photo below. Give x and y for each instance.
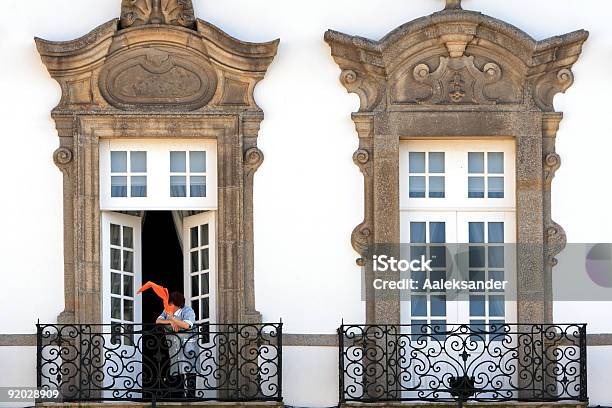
(182, 341)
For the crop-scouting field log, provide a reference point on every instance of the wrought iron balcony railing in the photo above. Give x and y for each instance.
(135, 362)
(459, 363)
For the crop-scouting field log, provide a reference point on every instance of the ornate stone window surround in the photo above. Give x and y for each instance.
(460, 74)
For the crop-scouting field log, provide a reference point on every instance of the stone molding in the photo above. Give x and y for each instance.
(459, 73)
(152, 75)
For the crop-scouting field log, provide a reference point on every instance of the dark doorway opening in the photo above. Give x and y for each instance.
(162, 263)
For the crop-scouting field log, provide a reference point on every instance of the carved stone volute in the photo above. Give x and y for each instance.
(172, 12)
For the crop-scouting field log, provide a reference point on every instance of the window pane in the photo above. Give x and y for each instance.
(496, 187)
(419, 328)
(128, 237)
(475, 163)
(138, 162)
(198, 186)
(128, 261)
(438, 257)
(205, 260)
(205, 308)
(115, 234)
(178, 186)
(436, 187)
(115, 259)
(197, 162)
(436, 162)
(115, 284)
(139, 186)
(438, 305)
(476, 232)
(417, 187)
(437, 232)
(497, 306)
(416, 162)
(195, 264)
(418, 305)
(205, 284)
(475, 187)
(437, 276)
(496, 232)
(115, 308)
(438, 328)
(495, 163)
(195, 305)
(497, 276)
(194, 237)
(204, 234)
(419, 279)
(477, 257)
(118, 186)
(195, 285)
(416, 252)
(479, 329)
(417, 232)
(128, 310)
(128, 285)
(496, 257)
(118, 162)
(178, 162)
(477, 305)
(478, 277)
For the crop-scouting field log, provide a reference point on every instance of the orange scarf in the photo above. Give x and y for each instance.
(162, 293)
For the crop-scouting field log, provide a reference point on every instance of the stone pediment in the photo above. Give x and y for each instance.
(455, 58)
(158, 63)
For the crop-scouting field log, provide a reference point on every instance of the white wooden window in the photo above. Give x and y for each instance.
(486, 174)
(426, 174)
(158, 174)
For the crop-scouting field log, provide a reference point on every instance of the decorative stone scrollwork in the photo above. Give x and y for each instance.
(172, 12)
(62, 157)
(370, 92)
(253, 158)
(458, 80)
(552, 163)
(360, 239)
(550, 84)
(361, 157)
(556, 241)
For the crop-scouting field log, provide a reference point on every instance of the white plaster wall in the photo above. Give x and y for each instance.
(308, 194)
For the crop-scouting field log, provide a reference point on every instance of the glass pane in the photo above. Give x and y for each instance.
(178, 162)
(437, 232)
(178, 186)
(496, 257)
(479, 328)
(436, 162)
(138, 162)
(475, 163)
(198, 186)
(419, 280)
(118, 186)
(197, 162)
(195, 305)
(437, 276)
(205, 284)
(477, 305)
(496, 232)
(115, 308)
(128, 261)
(115, 284)
(115, 259)
(416, 252)
(115, 333)
(495, 163)
(419, 327)
(118, 162)
(205, 308)
(497, 306)
(496, 187)
(195, 265)
(205, 259)
(204, 234)
(115, 234)
(475, 187)
(418, 305)
(195, 285)
(139, 186)
(128, 285)
(478, 277)
(438, 305)
(417, 232)
(498, 331)
(438, 257)
(438, 328)
(128, 237)
(194, 237)
(128, 310)
(417, 187)
(436, 187)
(416, 162)
(497, 276)
(476, 232)
(477, 257)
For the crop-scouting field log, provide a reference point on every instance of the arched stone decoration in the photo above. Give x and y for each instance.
(158, 72)
(459, 73)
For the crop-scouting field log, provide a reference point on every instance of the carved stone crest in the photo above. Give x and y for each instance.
(173, 12)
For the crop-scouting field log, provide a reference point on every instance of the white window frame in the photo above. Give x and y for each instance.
(158, 175)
